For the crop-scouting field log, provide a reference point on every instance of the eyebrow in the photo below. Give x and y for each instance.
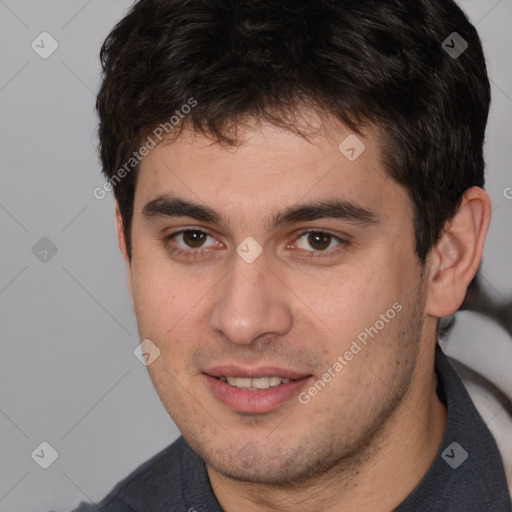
(169, 206)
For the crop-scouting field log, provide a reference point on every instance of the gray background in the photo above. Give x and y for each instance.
(68, 375)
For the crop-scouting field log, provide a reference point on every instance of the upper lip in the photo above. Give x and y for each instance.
(254, 372)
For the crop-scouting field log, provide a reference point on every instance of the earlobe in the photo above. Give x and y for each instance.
(454, 260)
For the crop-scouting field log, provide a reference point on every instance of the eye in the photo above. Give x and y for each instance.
(188, 242)
(192, 238)
(319, 241)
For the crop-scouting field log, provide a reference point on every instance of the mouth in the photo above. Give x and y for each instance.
(257, 390)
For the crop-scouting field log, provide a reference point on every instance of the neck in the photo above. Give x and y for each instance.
(393, 463)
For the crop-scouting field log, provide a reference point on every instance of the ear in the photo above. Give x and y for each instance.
(121, 242)
(454, 260)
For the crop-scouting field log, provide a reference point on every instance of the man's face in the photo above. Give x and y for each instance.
(303, 304)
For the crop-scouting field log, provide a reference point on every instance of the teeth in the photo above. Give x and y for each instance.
(275, 381)
(256, 383)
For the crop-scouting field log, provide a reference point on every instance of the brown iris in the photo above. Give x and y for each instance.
(194, 239)
(319, 241)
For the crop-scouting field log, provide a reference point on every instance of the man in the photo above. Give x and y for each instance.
(299, 201)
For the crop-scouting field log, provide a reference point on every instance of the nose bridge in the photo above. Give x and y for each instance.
(251, 302)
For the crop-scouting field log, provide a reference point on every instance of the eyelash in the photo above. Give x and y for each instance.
(195, 253)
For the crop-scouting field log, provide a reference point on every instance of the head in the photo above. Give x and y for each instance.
(231, 119)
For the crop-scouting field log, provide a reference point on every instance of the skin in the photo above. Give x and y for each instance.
(371, 434)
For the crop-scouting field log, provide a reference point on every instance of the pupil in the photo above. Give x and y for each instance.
(322, 239)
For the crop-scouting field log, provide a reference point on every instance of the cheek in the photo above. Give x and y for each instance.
(172, 310)
(157, 282)
(161, 299)
(346, 303)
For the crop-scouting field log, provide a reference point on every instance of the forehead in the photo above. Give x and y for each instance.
(271, 169)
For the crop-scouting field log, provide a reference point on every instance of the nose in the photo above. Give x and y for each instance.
(251, 302)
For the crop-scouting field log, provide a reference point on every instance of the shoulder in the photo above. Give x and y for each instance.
(156, 481)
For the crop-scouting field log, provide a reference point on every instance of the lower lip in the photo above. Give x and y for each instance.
(254, 402)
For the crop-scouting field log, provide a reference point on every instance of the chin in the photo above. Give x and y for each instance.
(261, 473)
(272, 464)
